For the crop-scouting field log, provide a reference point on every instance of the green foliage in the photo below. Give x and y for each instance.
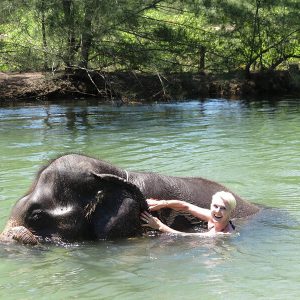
(149, 35)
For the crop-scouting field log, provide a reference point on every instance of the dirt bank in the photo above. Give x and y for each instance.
(141, 87)
(33, 85)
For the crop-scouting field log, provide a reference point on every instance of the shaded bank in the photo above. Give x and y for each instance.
(126, 86)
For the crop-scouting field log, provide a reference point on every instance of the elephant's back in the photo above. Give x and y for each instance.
(195, 190)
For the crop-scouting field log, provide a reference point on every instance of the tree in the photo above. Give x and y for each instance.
(266, 33)
(150, 35)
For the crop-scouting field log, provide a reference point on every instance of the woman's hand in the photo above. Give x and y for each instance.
(150, 221)
(156, 204)
(155, 223)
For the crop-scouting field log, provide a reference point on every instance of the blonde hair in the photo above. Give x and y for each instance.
(227, 197)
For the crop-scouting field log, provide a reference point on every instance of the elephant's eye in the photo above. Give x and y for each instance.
(36, 214)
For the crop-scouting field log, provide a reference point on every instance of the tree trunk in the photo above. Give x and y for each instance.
(253, 40)
(68, 8)
(86, 36)
(44, 37)
(202, 52)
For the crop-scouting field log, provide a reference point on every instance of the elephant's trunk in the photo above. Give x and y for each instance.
(18, 233)
(23, 235)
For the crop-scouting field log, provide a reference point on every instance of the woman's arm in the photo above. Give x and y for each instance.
(196, 211)
(155, 223)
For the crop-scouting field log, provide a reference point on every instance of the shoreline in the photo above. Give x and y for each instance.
(128, 87)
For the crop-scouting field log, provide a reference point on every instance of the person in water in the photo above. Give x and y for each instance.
(217, 217)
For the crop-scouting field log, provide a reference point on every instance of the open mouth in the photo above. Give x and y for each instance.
(218, 217)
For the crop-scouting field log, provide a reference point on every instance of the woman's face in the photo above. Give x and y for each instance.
(220, 210)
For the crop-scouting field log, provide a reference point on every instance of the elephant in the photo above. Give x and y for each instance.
(77, 197)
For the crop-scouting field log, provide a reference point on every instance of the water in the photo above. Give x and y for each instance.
(251, 147)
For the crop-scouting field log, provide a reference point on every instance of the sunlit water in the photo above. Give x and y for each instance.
(251, 147)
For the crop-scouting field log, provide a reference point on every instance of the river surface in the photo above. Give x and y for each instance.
(253, 147)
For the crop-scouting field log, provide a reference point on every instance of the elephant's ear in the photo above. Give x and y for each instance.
(115, 212)
(122, 183)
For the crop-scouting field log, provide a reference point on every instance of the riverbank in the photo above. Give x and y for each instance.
(127, 87)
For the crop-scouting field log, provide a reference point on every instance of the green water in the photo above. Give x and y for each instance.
(252, 147)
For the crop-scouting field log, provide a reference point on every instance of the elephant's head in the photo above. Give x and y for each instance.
(67, 205)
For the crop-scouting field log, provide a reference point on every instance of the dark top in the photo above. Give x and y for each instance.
(233, 227)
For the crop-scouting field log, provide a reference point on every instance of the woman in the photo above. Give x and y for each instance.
(218, 217)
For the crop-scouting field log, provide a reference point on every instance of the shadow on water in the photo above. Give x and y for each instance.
(272, 104)
(85, 115)
(271, 218)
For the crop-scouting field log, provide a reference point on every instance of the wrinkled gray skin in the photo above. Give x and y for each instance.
(78, 198)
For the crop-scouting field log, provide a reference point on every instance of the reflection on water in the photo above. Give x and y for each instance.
(252, 147)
